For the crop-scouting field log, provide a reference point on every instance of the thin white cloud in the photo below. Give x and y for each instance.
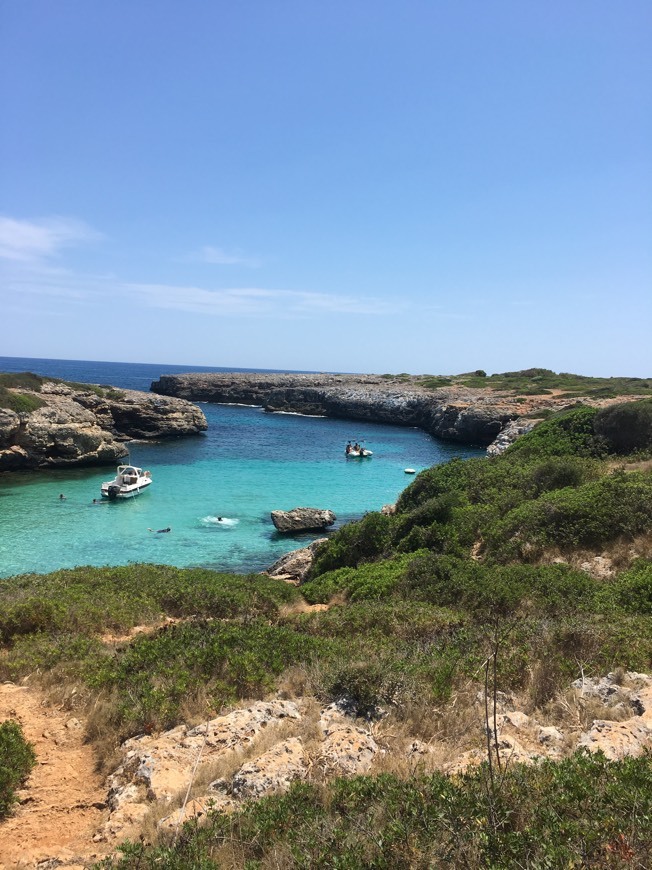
(256, 301)
(31, 241)
(220, 257)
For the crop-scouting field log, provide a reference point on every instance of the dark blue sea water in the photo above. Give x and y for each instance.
(247, 464)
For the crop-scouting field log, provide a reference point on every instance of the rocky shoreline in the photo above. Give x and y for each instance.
(79, 427)
(460, 414)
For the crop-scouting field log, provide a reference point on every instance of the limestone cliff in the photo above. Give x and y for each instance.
(469, 416)
(76, 427)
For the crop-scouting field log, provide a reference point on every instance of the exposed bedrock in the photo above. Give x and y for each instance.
(454, 414)
(80, 428)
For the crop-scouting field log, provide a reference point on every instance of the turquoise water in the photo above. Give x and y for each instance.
(247, 464)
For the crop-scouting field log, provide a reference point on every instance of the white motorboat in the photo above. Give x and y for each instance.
(357, 451)
(128, 482)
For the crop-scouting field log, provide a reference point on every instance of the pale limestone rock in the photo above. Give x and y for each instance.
(196, 809)
(159, 767)
(346, 750)
(296, 564)
(618, 739)
(275, 770)
(550, 736)
(516, 719)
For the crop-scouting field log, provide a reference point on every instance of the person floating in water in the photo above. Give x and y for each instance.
(160, 531)
(62, 497)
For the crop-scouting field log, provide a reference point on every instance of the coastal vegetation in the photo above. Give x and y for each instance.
(535, 382)
(16, 761)
(483, 561)
(17, 391)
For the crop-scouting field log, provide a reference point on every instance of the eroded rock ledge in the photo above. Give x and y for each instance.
(461, 414)
(77, 427)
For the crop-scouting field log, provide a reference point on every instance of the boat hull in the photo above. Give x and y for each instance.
(124, 491)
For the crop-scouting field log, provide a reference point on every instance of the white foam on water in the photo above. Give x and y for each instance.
(219, 521)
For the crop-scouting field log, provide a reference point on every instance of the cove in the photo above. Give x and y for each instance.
(248, 463)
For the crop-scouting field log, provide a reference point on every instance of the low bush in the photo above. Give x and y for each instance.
(568, 433)
(580, 812)
(617, 505)
(353, 544)
(227, 660)
(626, 428)
(17, 758)
(632, 590)
(21, 403)
(89, 600)
(369, 581)
(21, 381)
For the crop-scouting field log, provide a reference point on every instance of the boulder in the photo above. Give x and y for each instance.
(302, 519)
(296, 564)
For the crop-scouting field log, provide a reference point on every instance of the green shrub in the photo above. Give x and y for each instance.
(568, 433)
(588, 516)
(632, 590)
(21, 403)
(626, 428)
(583, 811)
(353, 544)
(227, 660)
(89, 600)
(372, 580)
(17, 758)
(22, 381)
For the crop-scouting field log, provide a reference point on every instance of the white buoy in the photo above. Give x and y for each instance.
(410, 471)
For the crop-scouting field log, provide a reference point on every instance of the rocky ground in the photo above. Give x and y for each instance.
(69, 816)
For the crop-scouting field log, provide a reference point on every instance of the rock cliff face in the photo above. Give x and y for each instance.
(77, 427)
(454, 414)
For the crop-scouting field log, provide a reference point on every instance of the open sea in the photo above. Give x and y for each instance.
(247, 464)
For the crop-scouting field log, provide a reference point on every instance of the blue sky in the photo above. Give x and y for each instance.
(424, 186)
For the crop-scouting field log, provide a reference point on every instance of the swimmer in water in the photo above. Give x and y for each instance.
(62, 497)
(160, 531)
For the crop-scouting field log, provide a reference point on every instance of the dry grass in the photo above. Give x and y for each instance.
(617, 556)
(573, 711)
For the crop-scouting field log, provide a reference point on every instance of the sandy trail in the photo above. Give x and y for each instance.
(63, 801)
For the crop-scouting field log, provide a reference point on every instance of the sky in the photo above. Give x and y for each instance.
(423, 186)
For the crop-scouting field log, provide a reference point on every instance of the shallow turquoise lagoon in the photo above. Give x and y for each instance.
(247, 464)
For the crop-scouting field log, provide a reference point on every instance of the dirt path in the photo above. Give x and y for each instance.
(63, 802)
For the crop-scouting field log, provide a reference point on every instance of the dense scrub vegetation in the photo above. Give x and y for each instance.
(538, 381)
(481, 555)
(17, 391)
(16, 761)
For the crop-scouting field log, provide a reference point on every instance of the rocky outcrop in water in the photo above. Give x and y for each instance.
(302, 519)
(469, 416)
(77, 427)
